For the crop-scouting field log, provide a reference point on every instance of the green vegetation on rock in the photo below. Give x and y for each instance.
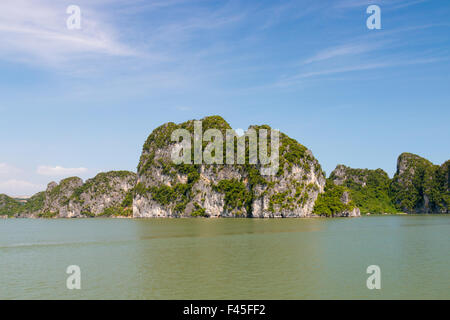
(236, 194)
(117, 212)
(420, 186)
(48, 215)
(9, 206)
(369, 189)
(199, 211)
(330, 202)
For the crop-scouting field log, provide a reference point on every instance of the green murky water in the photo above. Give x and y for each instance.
(226, 259)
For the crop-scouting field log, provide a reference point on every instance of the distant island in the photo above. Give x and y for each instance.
(162, 189)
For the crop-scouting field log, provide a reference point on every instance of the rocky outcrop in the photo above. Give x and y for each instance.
(292, 193)
(107, 194)
(58, 198)
(419, 186)
(344, 175)
(166, 189)
(8, 206)
(351, 210)
(336, 201)
(369, 189)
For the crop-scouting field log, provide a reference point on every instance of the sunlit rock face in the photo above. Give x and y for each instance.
(419, 186)
(165, 189)
(102, 195)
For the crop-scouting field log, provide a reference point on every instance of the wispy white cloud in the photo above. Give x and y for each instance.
(372, 51)
(290, 10)
(60, 171)
(14, 187)
(404, 4)
(35, 31)
(343, 50)
(133, 7)
(391, 4)
(177, 32)
(294, 80)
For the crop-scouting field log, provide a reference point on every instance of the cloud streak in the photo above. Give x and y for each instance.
(392, 4)
(35, 31)
(59, 171)
(339, 51)
(294, 80)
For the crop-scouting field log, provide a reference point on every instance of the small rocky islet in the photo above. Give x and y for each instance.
(163, 189)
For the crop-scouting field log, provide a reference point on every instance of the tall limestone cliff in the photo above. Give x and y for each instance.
(369, 189)
(295, 188)
(166, 189)
(419, 186)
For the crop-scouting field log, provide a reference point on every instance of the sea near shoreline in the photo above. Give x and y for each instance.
(226, 258)
(219, 218)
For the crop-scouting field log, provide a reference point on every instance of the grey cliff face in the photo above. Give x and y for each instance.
(58, 198)
(291, 194)
(342, 173)
(106, 190)
(346, 199)
(72, 198)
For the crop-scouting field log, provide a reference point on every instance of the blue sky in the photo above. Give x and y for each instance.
(76, 102)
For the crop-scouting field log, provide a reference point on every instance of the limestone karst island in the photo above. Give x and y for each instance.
(162, 189)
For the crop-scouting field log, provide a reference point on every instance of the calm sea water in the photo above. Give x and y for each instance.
(226, 259)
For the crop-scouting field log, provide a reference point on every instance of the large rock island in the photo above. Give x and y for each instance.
(165, 189)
